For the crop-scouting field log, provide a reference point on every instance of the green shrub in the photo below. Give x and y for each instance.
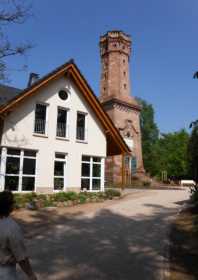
(60, 197)
(194, 194)
(22, 199)
(47, 200)
(101, 195)
(110, 193)
(48, 203)
(146, 183)
(71, 196)
(82, 198)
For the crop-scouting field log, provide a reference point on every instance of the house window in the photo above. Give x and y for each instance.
(61, 126)
(133, 165)
(92, 173)
(20, 170)
(40, 118)
(81, 126)
(59, 171)
(63, 94)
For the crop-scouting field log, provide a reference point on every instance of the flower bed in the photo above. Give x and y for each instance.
(35, 201)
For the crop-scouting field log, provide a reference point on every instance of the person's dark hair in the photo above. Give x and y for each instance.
(6, 203)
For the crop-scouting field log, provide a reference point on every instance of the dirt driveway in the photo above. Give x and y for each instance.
(115, 240)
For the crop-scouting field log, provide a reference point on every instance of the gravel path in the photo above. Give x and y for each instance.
(118, 240)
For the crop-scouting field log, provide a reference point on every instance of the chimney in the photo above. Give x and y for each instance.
(33, 77)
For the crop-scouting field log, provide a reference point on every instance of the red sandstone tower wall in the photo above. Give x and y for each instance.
(123, 109)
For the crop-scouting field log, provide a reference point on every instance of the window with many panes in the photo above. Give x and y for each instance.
(40, 118)
(81, 130)
(61, 126)
(91, 173)
(59, 171)
(20, 170)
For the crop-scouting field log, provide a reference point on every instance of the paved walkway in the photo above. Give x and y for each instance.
(118, 240)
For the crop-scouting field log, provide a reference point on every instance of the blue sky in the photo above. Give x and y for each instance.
(164, 52)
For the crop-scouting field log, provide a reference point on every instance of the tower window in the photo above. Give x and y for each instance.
(124, 73)
(124, 61)
(104, 88)
(124, 86)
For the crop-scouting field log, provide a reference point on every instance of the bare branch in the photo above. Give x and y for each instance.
(14, 12)
(6, 49)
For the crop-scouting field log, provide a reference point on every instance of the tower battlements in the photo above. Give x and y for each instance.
(115, 41)
(115, 51)
(116, 34)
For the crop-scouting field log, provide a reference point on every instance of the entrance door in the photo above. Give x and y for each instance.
(60, 172)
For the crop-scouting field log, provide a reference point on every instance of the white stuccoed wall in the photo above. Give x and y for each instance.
(19, 125)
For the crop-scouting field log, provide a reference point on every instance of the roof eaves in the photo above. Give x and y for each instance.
(39, 81)
(127, 149)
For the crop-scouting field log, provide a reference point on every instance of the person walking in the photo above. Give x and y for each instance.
(12, 247)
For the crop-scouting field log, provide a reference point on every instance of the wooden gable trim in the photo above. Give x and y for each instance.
(71, 69)
(32, 90)
(105, 120)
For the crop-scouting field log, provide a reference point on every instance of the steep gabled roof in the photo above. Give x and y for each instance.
(115, 143)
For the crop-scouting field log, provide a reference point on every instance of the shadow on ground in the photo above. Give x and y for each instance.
(184, 246)
(107, 245)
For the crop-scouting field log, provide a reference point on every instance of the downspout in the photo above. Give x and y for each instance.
(123, 172)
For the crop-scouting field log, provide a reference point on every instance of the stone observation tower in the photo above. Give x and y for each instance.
(116, 99)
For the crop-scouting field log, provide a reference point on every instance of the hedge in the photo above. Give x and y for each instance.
(35, 201)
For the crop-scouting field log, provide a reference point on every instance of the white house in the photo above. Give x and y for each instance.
(55, 135)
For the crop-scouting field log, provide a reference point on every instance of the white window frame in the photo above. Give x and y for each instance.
(21, 157)
(64, 171)
(86, 127)
(91, 178)
(67, 122)
(46, 120)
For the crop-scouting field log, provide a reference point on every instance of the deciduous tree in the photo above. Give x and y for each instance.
(11, 12)
(193, 151)
(150, 135)
(172, 154)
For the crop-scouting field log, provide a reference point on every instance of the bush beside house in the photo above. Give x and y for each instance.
(35, 201)
(194, 195)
